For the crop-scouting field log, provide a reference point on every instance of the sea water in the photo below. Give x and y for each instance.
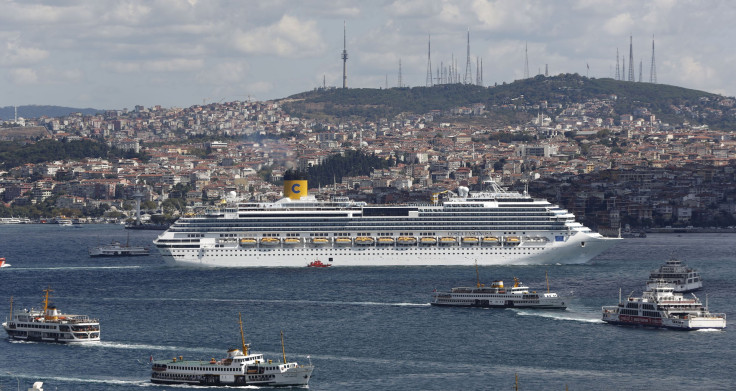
(364, 328)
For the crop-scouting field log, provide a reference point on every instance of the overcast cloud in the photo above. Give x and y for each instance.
(117, 54)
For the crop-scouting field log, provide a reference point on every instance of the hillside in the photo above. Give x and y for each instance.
(7, 113)
(669, 103)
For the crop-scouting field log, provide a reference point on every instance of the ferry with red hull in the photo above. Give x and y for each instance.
(661, 306)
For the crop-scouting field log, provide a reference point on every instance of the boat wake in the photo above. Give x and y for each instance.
(78, 268)
(133, 346)
(563, 315)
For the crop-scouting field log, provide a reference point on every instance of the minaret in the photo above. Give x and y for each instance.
(653, 70)
(429, 61)
(468, 74)
(631, 58)
(344, 57)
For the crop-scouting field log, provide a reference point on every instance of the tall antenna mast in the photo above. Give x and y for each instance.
(618, 75)
(526, 61)
(429, 61)
(344, 56)
(400, 73)
(546, 70)
(468, 74)
(631, 58)
(653, 70)
(640, 66)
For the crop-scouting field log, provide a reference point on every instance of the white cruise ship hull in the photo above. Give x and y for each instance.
(579, 248)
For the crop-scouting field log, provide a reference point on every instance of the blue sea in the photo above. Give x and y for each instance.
(364, 328)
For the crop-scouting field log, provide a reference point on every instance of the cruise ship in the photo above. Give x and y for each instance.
(490, 227)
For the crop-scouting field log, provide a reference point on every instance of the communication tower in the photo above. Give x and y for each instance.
(429, 61)
(526, 61)
(631, 58)
(618, 75)
(468, 74)
(653, 70)
(640, 66)
(400, 85)
(344, 57)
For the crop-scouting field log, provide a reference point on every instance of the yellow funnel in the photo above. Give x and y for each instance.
(295, 189)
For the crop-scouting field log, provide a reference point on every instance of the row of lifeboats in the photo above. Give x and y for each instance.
(383, 241)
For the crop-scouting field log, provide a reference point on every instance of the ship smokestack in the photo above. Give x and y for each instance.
(295, 185)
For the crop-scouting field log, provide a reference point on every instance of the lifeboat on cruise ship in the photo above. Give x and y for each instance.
(343, 242)
(385, 240)
(448, 241)
(406, 240)
(428, 240)
(320, 241)
(490, 241)
(270, 242)
(292, 242)
(470, 240)
(512, 240)
(248, 242)
(364, 240)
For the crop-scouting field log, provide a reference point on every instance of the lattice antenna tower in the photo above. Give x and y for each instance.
(526, 61)
(546, 70)
(429, 61)
(477, 71)
(468, 73)
(653, 70)
(640, 68)
(623, 68)
(618, 75)
(400, 85)
(631, 58)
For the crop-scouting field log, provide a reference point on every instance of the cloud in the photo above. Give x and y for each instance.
(23, 76)
(619, 24)
(19, 56)
(167, 65)
(289, 37)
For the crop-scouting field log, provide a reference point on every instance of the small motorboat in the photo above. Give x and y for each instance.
(3, 264)
(318, 263)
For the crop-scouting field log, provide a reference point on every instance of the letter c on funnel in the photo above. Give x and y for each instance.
(294, 188)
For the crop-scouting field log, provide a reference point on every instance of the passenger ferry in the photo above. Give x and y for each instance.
(660, 306)
(494, 227)
(683, 279)
(116, 249)
(50, 325)
(239, 368)
(498, 296)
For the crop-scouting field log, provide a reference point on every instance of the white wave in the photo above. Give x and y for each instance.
(133, 346)
(564, 315)
(79, 268)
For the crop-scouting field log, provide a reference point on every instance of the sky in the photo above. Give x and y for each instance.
(115, 54)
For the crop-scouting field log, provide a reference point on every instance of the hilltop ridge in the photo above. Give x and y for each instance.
(672, 104)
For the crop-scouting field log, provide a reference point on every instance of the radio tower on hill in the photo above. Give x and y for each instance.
(653, 71)
(429, 61)
(468, 74)
(631, 58)
(526, 61)
(344, 57)
(618, 75)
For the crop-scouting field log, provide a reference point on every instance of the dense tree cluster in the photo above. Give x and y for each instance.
(14, 154)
